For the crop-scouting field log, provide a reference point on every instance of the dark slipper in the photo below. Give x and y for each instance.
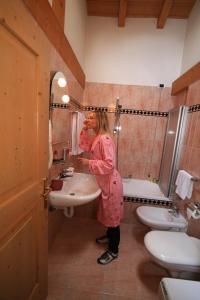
(107, 257)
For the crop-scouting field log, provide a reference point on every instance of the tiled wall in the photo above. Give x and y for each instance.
(61, 128)
(61, 131)
(140, 145)
(191, 153)
(141, 138)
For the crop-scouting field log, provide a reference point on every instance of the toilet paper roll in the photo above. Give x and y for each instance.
(192, 214)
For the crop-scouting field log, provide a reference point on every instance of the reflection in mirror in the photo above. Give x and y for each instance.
(60, 118)
(59, 89)
(62, 107)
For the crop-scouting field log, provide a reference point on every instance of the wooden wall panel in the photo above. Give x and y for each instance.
(27, 61)
(20, 102)
(16, 273)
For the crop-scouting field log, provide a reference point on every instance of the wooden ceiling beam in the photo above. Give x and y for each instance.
(58, 7)
(122, 13)
(166, 7)
(180, 9)
(47, 20)
(185, 80)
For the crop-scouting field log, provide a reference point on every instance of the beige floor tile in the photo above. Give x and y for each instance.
(75, 274)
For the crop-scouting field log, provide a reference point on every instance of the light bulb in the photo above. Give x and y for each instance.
(118, 128)
(65, 98)
(171, 132)
(62, 82)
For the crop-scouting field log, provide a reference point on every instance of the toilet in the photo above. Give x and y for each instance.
(177, 252)
(158, 218)
(179, 289)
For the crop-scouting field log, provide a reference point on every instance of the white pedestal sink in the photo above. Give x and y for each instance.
(77, 190)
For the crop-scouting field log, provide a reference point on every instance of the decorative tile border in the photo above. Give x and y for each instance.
(95, 108)
(144, 112)
(72, 104)
(58, 105)
(194, 108)
(148, 201)
(128, 111)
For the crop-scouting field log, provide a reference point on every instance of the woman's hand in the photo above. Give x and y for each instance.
(83, 161)
(85, 125)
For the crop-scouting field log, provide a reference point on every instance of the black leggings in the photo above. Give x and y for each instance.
(113, 234)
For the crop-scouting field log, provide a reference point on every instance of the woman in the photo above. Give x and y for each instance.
(102, 165)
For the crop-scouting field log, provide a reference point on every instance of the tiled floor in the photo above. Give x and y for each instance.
(75, 274)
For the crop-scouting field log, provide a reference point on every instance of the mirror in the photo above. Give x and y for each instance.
(62, 107)
(60, 113)
(59, 89)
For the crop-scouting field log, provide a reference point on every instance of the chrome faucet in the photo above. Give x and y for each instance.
(174, 211)
(195, 208)
(67, 172)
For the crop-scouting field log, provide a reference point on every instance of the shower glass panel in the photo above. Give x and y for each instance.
(172, 149)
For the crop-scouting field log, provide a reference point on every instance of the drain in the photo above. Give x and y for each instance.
(72, 194)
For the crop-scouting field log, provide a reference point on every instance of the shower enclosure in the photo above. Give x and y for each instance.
(174, 134)
(172, 149)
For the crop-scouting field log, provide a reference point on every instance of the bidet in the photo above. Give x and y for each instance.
(161, 218)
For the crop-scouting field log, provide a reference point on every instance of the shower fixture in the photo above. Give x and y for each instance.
(117, 126)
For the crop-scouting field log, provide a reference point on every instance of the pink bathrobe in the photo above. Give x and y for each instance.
(102, 165)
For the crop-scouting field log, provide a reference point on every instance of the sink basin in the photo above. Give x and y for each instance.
(77, 190)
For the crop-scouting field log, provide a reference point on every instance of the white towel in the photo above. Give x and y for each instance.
(77, 124)
(184, 184)
(50, 146)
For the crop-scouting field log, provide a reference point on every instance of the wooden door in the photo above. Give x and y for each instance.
(23, 143)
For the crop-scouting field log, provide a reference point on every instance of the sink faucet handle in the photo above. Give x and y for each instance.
(197, 204)
(174, 206)
(174, 210)
(67, 172)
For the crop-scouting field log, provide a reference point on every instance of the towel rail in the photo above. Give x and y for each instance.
(195, 178)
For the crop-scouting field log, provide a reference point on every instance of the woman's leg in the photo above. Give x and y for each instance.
(113, 234)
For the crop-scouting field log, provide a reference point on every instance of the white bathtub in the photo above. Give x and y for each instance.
(142, 189)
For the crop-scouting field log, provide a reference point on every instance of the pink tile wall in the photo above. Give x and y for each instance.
(61, 122)
(193, 94)
(191, 153)
(136, 145)
(136, 97)
(61, 137)
(141, 138)
(168, 102)
(190, 160)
